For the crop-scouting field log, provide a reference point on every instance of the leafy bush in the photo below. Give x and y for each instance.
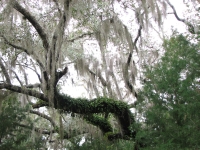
(103, 144)
(169, 102)
(12, 135)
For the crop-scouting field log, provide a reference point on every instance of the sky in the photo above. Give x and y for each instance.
(171, 21)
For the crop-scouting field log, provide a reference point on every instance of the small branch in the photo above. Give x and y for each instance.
(138, 35)
(13, 45)
(23, 49)
(42, 131)
(190, 26)
(80, 36)
(125, 72)
(175, 13)
(44, 116)
(38, 105)
(30, 86)
(57, 5)
(61, 74)
(34, 70)
(16, 76)
(3, 68)
(103, 81)
(45, 131)
(134, 44)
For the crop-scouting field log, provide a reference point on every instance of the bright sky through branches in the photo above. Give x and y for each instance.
(170, 22)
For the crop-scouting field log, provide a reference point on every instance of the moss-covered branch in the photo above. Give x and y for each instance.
(98, 105)
(99, 121)
(87, 108)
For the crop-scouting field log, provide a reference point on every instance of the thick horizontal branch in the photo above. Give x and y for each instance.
(23, 90)
(103, 123)
(37, 85)
(90, 108)
(98, 105)
(40, 104)
(33, 21)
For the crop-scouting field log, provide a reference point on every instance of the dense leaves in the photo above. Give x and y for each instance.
(169, 101)
(12, 135)
(102, 144)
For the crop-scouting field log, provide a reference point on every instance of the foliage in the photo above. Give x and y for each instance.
(46, 44)
(12, 136)
(169, 102)
(102, 144)
(100, 105)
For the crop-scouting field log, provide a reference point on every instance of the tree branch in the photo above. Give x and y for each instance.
(98, 105)
(125, 72)
(36, 85)
(45, 131)
(57, 5)
(13, 45)
(103, 81)
(61, 74)
(175, 13)
(103, 123)
(33, 21)
(80, 36)
(116, 84)
(34, 70)
(134, 44)
(23, 49)
(3, 68)
(42, 131)
(44, 116)
(39, 104)
(16, 76)
(23, 90)
(60, 29)
(190, 26)
(88, 107)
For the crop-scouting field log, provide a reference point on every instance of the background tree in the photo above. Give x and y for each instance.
(170, 97)
(16, 128)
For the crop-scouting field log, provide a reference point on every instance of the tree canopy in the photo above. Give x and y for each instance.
(170, 99)
(48, 47)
